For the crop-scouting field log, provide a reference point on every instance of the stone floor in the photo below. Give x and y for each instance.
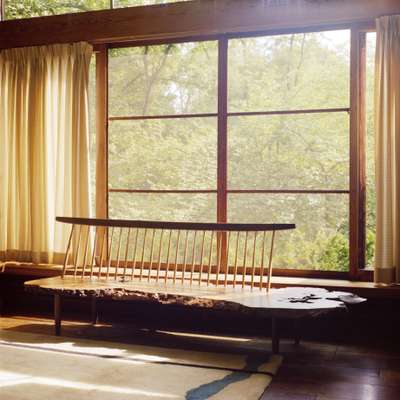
(310, 371)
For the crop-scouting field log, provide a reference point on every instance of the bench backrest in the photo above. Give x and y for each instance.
(177, 252)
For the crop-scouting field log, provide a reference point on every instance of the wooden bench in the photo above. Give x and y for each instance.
(198, 264)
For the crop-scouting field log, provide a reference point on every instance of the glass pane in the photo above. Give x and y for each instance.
(163, 154)
(36, 8)
(133, 3)
(320, 240)
(164, 207)
(167, 79)
(309, 151)
(370, 149)
(284, 72)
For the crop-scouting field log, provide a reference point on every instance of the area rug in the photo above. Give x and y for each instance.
(34, 366)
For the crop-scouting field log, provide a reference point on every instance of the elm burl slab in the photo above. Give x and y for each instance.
(285, 303)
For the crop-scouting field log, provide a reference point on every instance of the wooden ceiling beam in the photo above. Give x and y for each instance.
(196, 18)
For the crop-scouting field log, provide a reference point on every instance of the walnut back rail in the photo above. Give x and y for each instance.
(182, 252)
(199, 264)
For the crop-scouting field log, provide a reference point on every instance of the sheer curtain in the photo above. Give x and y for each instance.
(387, 142)
(44, 148)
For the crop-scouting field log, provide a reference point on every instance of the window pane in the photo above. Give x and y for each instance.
(320, 240)
(133, 3)
(297, 71)
(36, 8)
(309, 151)
(163, 154)
(164, 207)
(370, 149)
(168, 79)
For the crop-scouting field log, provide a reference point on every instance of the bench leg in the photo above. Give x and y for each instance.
(94, 311)
(57, 314)
(275, 335)
(297, 331)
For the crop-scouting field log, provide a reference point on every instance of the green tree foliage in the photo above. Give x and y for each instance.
(35, 8)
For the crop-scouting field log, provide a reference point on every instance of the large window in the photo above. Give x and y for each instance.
(269, 128)
(237, 130)
(163, 132)
(288, 142)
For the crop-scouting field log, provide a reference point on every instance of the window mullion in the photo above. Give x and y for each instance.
(357, 171)
(222, 130)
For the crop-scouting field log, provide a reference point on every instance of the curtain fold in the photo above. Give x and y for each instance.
(387, 150)
(44, 148)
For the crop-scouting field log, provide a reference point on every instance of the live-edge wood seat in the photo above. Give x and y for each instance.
(229, 298)
(208, 265)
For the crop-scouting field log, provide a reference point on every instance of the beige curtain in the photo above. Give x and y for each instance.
(387, 142)
(44, 168)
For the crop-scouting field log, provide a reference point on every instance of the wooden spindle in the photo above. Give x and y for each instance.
(93, 261)
(227, 259)
(110, 253)
(143, 251)
(168, 254)
(77, 250)
(201, 258)
(159, 255)
(253, 263)
(68, 252)
(270, 262)
(184, 257)
(151, 255)
(236, 259)
(262, 260)
(118, 253)
(86, 251)
(219, 255)
(134, 254)
(193, 257)
(103, 246)
(245, 260)
(210, 258)
(128, 235)
(176, 256)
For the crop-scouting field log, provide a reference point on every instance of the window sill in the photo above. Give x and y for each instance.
(364, 289)
(29, 269)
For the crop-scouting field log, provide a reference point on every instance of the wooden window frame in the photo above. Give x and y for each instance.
(356, 110)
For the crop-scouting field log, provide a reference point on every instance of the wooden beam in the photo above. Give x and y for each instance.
(189, 19)
(357, 159)
(362, 60)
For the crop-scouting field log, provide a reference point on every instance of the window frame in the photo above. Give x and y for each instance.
(357, 134)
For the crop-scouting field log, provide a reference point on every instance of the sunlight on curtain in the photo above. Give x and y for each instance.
(387, 150)
(44, 144)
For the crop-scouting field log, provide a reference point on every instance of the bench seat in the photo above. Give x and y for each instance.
(277, 302)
